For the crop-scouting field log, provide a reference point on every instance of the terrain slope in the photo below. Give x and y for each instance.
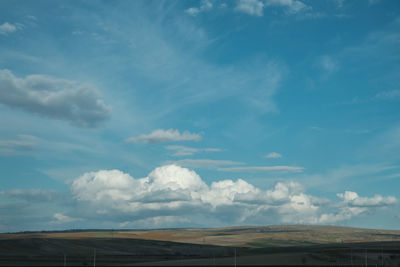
(241, 246)
(243, 236)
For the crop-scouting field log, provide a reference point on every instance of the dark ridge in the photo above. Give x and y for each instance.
(140, 252)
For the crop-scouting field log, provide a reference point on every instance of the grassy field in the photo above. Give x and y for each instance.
(235, 236)
(270, 245)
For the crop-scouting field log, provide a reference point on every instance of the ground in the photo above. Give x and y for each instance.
(269, 245)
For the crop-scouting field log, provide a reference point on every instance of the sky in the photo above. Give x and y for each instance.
(155, 114)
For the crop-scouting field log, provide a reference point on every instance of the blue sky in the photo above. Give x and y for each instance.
(135, 114)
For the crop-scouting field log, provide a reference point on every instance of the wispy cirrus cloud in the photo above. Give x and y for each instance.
(204, 163)
(23, 145)
(33, 195)
(291, 6)
(333, 180)
(273, 155)
(188, 151)
(263, 169)
(162, 136)
(185, 77)
(385, 95)
(388, 95)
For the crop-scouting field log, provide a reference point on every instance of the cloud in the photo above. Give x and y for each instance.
(394, 175)
(204, 6)
(175, 195)
(7, 28)
(251, 7)
(373, 2)
(24, 145)
(204, 163)
(333, 180)
(345, 213)
(80, 104)
(328, 64)
(183, 150)
(32, 195)
(161, 59)
(352, 199)
(353, 205)
(339, 3)
(315, 128)
(168, 190)
(31, 17)
(273, 155)
(188, 151)
(161, 136)
(291, 6)
(379, 46)
(388, 95)
(25, 215)
(61, 218)
(31, 209)
(172, 195)
(263, 169)
(384, 145)
(171, 191)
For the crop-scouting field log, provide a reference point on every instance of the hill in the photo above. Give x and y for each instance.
(243, 236)
(267, 245)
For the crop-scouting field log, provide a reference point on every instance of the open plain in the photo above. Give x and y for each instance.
(269, 245)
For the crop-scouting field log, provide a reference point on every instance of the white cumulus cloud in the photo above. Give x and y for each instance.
(173, 194)
(291, 6)
(81, 104)
(352, 199)
(204, 6)
(353, 205)
(251, 7)
(161, 136)
(7, 28)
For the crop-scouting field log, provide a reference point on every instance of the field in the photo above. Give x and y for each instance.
(270, 245)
